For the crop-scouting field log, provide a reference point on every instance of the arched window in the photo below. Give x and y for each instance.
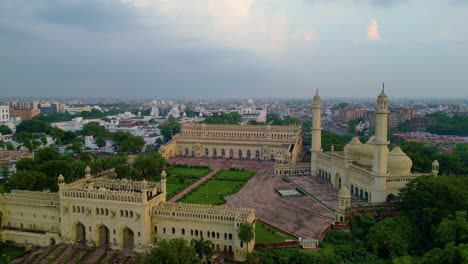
(183, 232)
(173, 230)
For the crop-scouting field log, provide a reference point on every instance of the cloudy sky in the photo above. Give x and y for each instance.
(233, 48)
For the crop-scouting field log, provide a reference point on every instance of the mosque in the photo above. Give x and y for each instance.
(370, 171)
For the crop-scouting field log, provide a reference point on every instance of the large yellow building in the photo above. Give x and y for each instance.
(236, 141)
(119, 214)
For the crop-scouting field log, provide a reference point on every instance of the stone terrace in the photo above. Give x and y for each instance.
(300, 216)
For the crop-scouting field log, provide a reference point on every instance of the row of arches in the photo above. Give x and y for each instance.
(359, 193)
(102, 237)
(134, 198)
(195, 215)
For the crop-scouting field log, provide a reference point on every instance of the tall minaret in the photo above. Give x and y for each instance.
(379, 166)
(316, 146)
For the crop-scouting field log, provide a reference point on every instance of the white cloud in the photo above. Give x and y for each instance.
(373, 33)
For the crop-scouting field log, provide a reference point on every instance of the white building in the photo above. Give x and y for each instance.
(4, 114)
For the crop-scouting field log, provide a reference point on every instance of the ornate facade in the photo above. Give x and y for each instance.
(236, 141)
(367, 171)
(119, 214)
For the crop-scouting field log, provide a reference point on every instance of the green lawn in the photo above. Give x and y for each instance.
(214, 190)
(12, 252)
(176, 184)
(234, 175)
(265, 233)
(182, 171)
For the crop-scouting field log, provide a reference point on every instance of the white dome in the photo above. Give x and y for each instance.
(399, 162)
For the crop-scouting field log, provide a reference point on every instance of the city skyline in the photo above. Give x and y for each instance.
(240, 49)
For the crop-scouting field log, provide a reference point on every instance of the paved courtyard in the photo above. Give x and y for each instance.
(300, 216)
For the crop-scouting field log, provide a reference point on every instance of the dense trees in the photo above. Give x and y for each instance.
(150, 165)
(232, 118)
(445, 125)
(175, 251)
(4, 130)
(169, 128)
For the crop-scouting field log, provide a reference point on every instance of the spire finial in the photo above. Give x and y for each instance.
(316, 92)
(383, 87)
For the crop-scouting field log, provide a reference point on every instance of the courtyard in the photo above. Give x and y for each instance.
(300, 216)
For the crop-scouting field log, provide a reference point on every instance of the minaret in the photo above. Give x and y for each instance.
(435, 167)
(163, 181)
(379, 166)
(316, 146)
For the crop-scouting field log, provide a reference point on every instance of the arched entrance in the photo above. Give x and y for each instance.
(223, 153)
(207, 152)
(257, 154)
(103, 236)
(239, 154)
(249, 154)
(231, 153)
(51, 241)
(337, 181)
(390, 197)
(215, 152)
(128, 239)
(80, 233)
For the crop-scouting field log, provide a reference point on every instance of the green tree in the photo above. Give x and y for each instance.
(9, 146)
(204, 248)
(169, 128)
(132, 144)
(4, 130)
(27, 180)
(32, 126)
(46, 154)
(232, 118)
(25, 164)
(453, 229)
(246, 233)
(393, 237)
(150, 165)
(75, 147)
(100, 142)
(360, 225)
(175, 251)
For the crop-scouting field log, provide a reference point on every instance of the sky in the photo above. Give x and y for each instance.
(233, 48)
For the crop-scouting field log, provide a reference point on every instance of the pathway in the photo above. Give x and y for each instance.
(193, 186)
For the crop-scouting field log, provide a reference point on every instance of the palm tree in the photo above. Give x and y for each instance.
(246, 233)
(204, 248)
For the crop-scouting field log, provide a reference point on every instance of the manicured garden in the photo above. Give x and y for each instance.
(265, 233)
(180, 177)
(213, 191)
(10, 252)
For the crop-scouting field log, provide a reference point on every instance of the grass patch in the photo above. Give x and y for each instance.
(265, 233)
(236, 175)
(11, 252)
(188, 171)
(213, 191)
(180, 177)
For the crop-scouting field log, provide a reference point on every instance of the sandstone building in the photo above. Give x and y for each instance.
(119, 214)
(236, 141)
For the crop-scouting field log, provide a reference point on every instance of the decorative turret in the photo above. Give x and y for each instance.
(379, 162)
(344, 201)
(316, 146)
(88, 172)
(435, 167)
(61, 179)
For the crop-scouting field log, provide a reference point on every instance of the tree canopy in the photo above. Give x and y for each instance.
(175, 251)
(232, 118)
(4, 130)
(169, 128)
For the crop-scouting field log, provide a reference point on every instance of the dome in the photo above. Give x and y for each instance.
(344, 192)
(366, 152)
(354, 146)
(398, 162)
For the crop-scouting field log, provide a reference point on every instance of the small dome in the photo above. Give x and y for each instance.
(344, 192)
(367, 150)
(163, 174)
(354, 146)
(398, 162)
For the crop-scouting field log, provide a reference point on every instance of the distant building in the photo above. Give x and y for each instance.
(24, 114)
(4, 114)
